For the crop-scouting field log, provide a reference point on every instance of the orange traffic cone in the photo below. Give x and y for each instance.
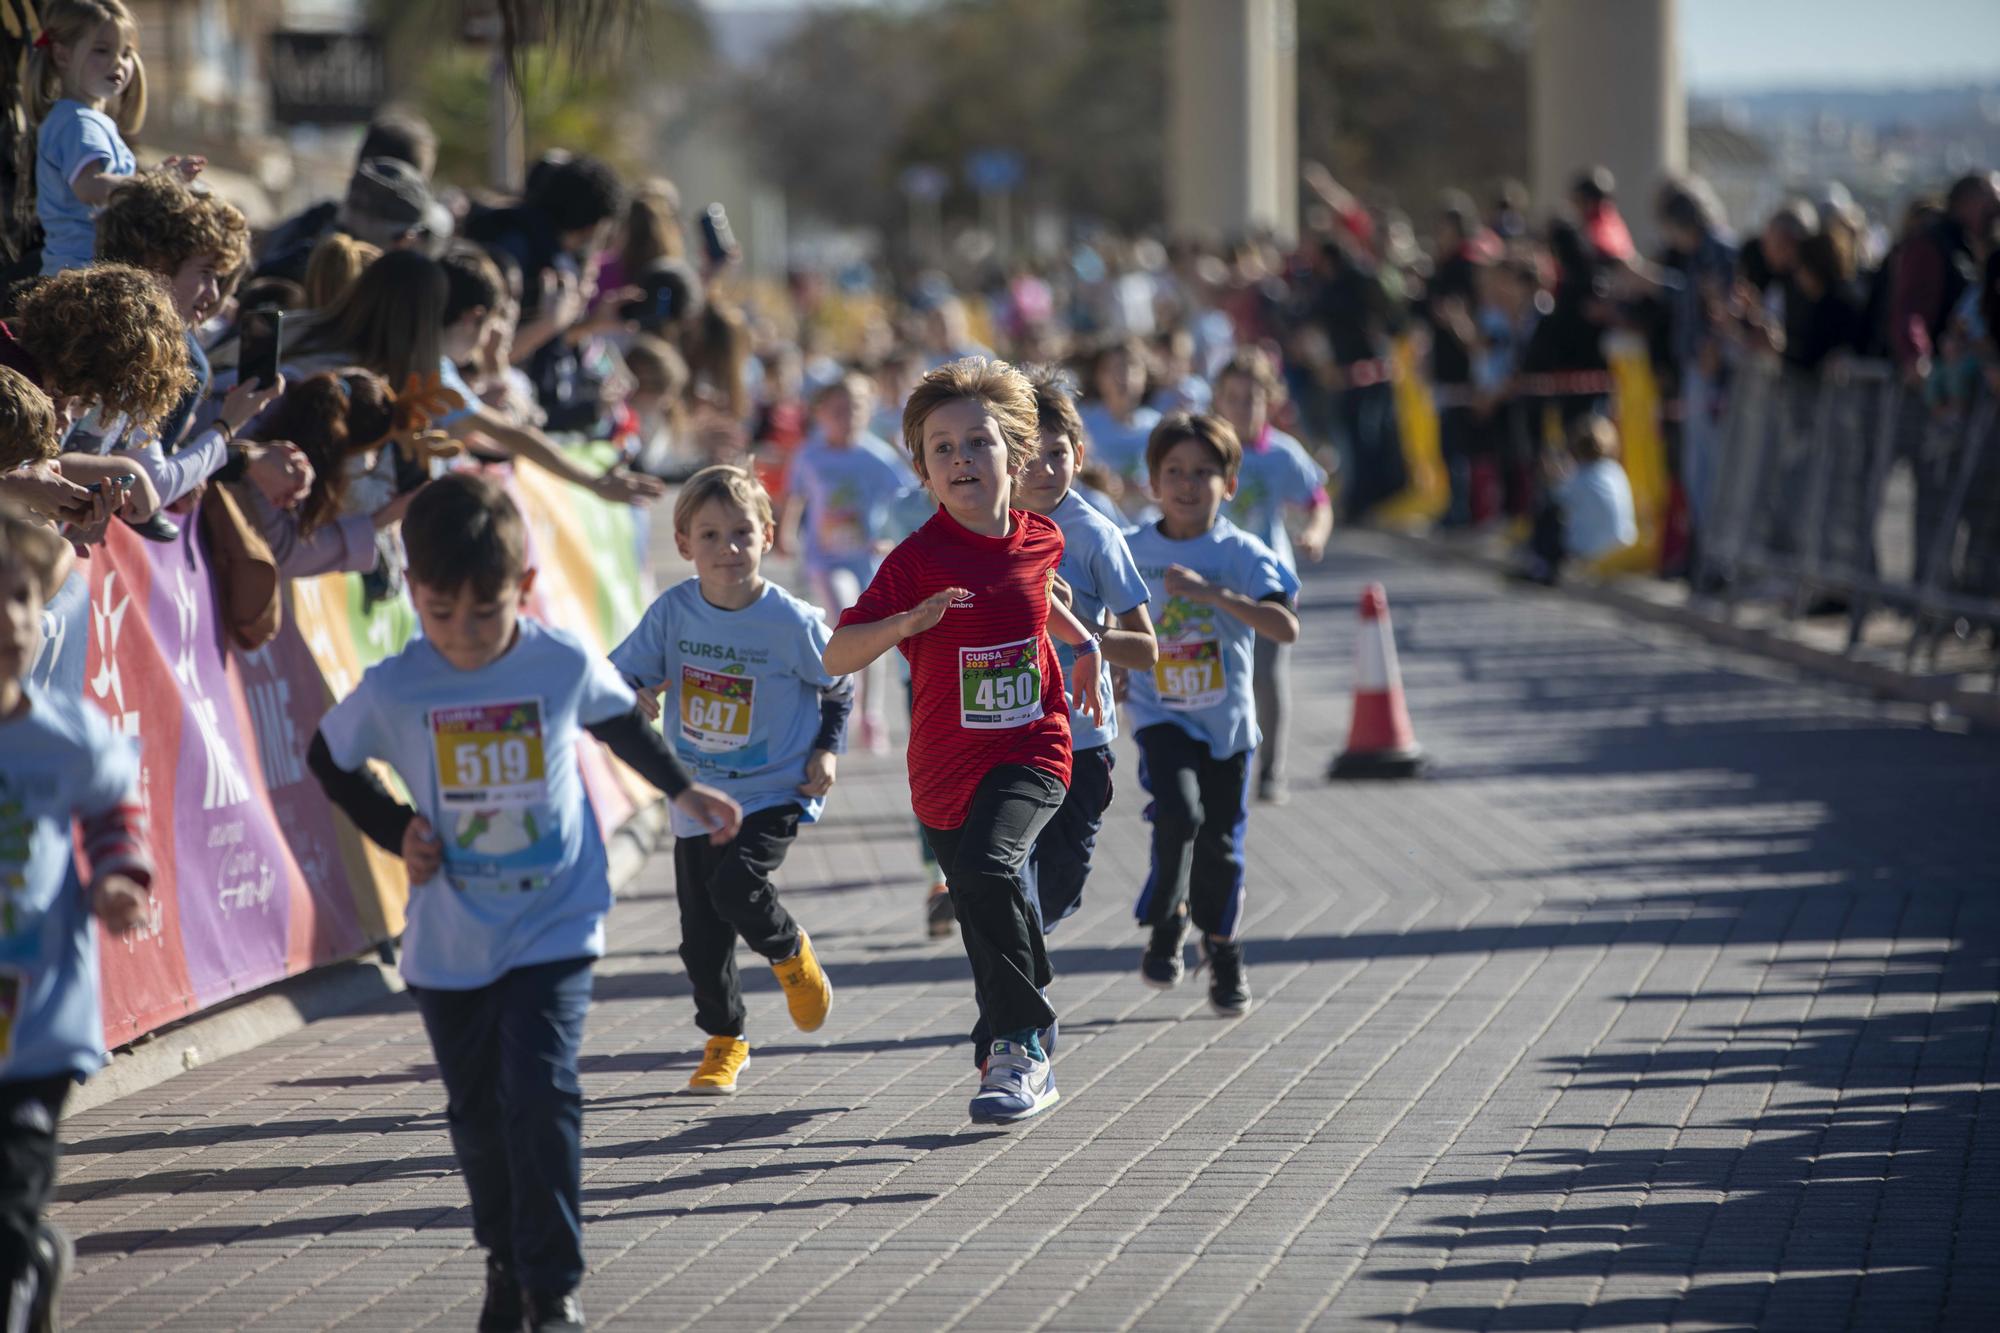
(1380, 741)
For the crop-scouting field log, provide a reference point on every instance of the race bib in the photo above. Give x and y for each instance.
(716, 709)
(1188, 674)
(13, 990)
(1000, 687)
(498, 828)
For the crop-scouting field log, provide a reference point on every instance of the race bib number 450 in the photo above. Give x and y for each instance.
(489, 756)
(1001, 686)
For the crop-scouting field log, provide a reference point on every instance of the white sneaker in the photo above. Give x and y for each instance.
(1014, 1087)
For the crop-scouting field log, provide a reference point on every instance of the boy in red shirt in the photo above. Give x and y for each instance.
(966, 600)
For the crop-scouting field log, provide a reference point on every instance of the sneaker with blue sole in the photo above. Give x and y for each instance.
(1015, 1086)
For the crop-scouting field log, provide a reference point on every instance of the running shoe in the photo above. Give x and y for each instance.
(1015, 1086)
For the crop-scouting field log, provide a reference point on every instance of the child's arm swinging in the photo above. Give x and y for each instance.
(853, 647)
(1064, 625)
(1272, 619)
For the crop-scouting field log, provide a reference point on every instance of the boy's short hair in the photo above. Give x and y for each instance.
(1253, 364)
(1206, 429)
(1594, 437)
(723, 481)
(27, 422)
(1002, 390)
(108, 334)
(28, 545)
(157, 223)
(1055, 406)
(463, 529)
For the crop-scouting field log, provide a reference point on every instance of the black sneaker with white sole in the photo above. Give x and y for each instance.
(1228, 983)
(1160, 966)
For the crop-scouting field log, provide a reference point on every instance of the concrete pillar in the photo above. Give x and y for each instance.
(1605, 86)
(1233, 116)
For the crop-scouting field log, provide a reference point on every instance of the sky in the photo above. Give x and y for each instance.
(1738, 44)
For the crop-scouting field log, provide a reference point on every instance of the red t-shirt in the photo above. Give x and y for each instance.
(987, 687)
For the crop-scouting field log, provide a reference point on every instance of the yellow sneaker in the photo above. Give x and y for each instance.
(721, 1061)
(808, 994)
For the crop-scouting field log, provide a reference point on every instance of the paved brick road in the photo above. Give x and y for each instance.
(1670, 1000)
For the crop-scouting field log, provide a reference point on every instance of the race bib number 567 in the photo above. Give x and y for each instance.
(1001, 686)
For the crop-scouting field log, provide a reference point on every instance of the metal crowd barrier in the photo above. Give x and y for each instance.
(1850, 485)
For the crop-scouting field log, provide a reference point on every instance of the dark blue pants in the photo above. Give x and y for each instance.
(508, 1054)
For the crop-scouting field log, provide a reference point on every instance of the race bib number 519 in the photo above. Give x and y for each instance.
(490, 755)
(1001, 686)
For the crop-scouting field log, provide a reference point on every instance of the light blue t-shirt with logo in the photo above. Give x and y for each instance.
(743, 691)
(1099, 570)
(1120, 445)
(1272, 477)
(1201, 682)
(59, 761)
(70, 139)
(489, 758)
(851, 497)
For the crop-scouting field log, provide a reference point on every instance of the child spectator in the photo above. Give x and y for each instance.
(665, 447)
(30, 476)
(481, 718)
(107, 338)
(1215, 588)
(1098, 569)
(191, 242)
(1276, 475)
(1588, 513)
(841, 496)
(60, 764)
(335, 265)
(967, 600)
(340, 423)
(85, 89)
(757, 716)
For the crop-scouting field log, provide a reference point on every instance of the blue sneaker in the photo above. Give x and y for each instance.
(1015, 1086)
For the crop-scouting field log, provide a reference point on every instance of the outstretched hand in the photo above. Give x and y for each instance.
(926, 614)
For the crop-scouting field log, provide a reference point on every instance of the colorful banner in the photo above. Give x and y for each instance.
(258, 878)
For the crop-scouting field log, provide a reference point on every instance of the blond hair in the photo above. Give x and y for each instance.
(723, 481)
(337, 263)
(69, 23)
(1002, 390)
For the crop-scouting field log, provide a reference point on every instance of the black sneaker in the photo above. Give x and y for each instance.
(938, 915)
(553, 1311)
(156, 528)
(1228, 984)
(503, 1311)
(1160, 966)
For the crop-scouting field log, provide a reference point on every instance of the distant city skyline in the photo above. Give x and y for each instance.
(1735, 45)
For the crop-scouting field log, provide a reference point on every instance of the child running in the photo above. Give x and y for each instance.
(967, 600)
(760, 719)
(85, 91)
(480, 716)
(1215, 589)
(60, 764)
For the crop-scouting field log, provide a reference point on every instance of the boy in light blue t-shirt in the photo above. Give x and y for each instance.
(481, 717)
(60, 765)
(1216, 589)
(758, 716)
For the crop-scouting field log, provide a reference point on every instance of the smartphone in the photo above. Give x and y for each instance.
(122, 482)
(261, 344)
(716, 237)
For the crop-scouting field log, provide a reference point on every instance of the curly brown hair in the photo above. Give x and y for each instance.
(108, 335)
(157, 223)
(332, 417)
(27, 422)
(1002, 390)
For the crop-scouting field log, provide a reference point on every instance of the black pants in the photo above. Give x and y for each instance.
(984, 859)
(1200, 809)
(508, 1054)
(1061, 861)
(29, 1112)
(724, 893)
